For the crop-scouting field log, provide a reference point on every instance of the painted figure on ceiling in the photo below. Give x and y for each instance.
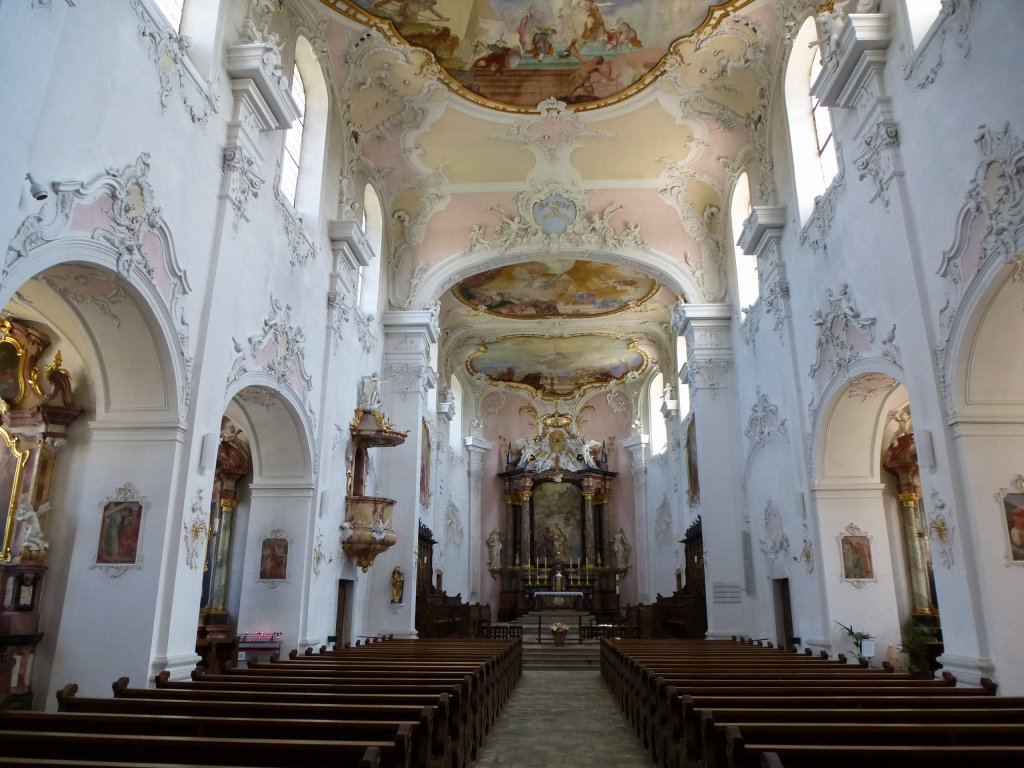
(410, 10)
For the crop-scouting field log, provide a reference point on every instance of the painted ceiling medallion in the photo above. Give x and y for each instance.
(556, 288)
(555, 367)
(514, 54)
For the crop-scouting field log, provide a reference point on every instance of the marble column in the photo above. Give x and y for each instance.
(406, 379)
(476, 447)
(709, 371)
(637, 446)
(917, 560)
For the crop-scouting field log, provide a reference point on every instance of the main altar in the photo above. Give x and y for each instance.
(557, 550)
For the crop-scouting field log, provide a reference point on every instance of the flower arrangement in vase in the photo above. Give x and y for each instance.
(559, 631)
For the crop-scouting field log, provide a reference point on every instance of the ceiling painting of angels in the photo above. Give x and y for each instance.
(557, 367)
(517, 53)
(556, 288)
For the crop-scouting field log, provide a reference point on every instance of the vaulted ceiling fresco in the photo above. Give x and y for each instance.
(539, 197)
(555, 367)
(517, 53)
(556, 288)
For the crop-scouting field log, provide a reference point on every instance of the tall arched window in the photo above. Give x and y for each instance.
(455, 425)
(810, 124)
(303, 155)
(171, 9)
(659, 432)
(293, 141)
(684, 388)
(921, 15)
(747, 285)
(373, 227)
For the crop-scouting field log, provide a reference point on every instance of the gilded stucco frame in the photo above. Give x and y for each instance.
(12, 451)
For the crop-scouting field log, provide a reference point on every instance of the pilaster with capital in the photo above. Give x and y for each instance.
(476, 448)
(405, 381)
(709, 372)
(637, 446)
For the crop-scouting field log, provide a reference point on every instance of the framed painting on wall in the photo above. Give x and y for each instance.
(1013, 512)
(425, 462)
(121, 519)
(855, 551)
(274, 558)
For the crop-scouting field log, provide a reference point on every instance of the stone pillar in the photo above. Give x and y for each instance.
(710, 374)
(476, 447)
(406, 379)
(637, 447)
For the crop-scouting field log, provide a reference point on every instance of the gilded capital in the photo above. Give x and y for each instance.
(908, 499)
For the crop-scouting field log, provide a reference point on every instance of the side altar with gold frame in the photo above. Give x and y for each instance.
(558, 492)
(36, 407)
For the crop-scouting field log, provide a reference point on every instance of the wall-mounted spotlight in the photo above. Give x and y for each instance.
(37, 190)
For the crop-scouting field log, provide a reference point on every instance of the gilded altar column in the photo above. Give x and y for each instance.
(407, 377)
(521, 496)
(476, 447)
(589, 545)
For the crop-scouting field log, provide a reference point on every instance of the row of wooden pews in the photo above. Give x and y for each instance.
(730, 704)
(393, 704)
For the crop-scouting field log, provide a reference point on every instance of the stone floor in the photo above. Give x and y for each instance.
(562, 719)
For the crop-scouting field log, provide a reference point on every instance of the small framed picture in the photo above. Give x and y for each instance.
(121, 520)
(855, 551)
(1013, 509)
(274, 558)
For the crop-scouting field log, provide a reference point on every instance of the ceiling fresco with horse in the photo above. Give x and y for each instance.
(556, 288)
(517, 53)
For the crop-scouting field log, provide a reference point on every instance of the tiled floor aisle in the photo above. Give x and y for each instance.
(562, 719)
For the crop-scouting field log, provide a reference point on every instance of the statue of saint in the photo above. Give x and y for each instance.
(31, 542)
(621, 548)
(369, 393)
(397, 585)
(494, 545)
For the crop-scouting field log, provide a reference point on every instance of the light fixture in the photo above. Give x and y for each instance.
(37, 190)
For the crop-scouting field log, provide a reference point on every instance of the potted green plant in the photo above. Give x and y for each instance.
(915, 640)
(863, 642)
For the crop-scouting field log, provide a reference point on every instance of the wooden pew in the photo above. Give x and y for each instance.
(716, 719)
(948, 733)
(466, 722)
(433, 719)
(743, 754)
(226, 727)
(206, 750)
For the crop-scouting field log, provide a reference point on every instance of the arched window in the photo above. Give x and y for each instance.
(921, 15)
(684, 388)
(293, 141)
(659, 432)
(373, 227)
(455, 425)
(747, 286)
(303, 155)
(171, 9)
(810, 124)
